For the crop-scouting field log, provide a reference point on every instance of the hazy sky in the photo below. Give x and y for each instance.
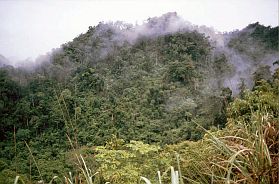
(32, 27)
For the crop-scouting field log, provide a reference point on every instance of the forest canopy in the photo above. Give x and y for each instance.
(129, 103)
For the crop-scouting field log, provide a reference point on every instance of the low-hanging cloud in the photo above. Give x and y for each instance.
(169, 23)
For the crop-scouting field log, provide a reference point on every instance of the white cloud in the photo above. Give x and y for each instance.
(30, 28)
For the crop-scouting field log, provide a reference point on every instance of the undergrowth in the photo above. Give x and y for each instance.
(246, 151)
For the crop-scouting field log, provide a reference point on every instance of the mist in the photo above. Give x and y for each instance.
(32, 28)
(29, 38)
(243, 66)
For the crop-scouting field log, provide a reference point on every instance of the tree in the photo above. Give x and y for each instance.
(262, 72)
(10, 94)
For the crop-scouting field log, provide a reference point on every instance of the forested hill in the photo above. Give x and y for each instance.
(161, 83)
(3, 60)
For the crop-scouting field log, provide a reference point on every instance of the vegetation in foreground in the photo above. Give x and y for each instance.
(133, 109)
(246, 151)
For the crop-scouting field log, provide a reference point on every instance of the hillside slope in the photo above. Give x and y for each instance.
(158, 83)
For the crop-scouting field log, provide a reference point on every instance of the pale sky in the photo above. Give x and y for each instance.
(29, 28)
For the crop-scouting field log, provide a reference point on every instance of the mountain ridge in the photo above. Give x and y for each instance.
(117, 91)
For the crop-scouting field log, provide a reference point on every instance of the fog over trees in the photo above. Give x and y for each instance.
(132, 100)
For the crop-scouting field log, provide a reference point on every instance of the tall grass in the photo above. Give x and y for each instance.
(174, 177)
(244, 152)
(86, 177)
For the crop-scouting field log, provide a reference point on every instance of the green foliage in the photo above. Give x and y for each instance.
(244, 151)
(125, 163)
(7, 176)
(263, 40)
(10, 94)
(179, 46)
(87, 79)
(268, 35)
(156, 91)
(182, 72)
(174, 177)
(262, 73)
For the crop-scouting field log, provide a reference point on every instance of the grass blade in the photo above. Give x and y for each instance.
(145, 179)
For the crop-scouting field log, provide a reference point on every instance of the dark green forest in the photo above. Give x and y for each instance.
(131, 108)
